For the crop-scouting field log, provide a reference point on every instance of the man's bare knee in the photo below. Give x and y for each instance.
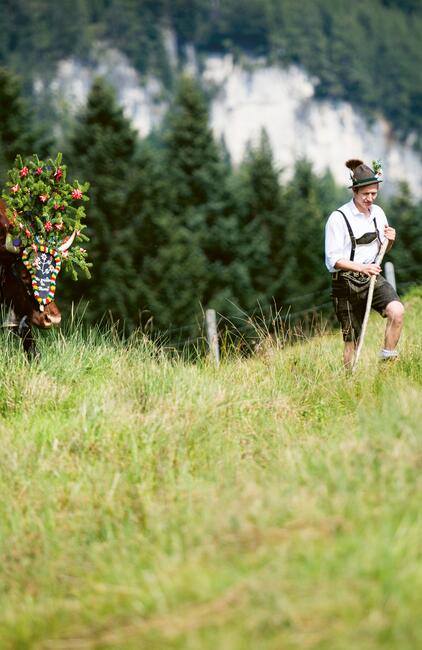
(395, 311)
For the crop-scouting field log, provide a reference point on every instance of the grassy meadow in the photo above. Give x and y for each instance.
(152, 503)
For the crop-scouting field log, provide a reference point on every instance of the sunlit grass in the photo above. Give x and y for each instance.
(148, 502)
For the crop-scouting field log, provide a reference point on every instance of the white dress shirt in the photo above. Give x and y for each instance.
(338, 244)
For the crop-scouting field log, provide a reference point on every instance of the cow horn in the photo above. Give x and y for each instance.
(67, 243)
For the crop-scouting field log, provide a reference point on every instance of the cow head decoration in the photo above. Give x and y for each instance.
(40, 225)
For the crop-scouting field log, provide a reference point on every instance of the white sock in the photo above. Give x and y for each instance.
(388, 354)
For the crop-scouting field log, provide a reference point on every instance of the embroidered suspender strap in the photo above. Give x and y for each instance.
(352, 237)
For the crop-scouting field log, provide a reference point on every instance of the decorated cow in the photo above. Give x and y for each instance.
(41, 217)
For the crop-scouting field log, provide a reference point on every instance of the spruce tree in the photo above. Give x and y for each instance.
(195, 166)
(405, 215)
(199, 205)
(304, 280)
(17, 135)
(102, 150)
(261, 233)
(165, 254)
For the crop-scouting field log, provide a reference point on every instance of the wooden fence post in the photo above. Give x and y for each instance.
(390, 275)
(212, 335)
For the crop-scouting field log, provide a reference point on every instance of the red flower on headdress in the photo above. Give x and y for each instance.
(57, 174)
(77, 194)
(38, 171)
(24, 172)
(28, 233)
(15, 188)
(43, 198)
(48, 226)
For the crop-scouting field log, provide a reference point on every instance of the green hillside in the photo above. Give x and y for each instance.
(148, 502)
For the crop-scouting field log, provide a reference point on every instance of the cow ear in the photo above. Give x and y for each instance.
(10, 245)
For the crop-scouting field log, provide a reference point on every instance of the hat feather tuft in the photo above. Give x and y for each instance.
(353, 163)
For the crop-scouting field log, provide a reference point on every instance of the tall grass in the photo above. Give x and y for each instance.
(150, 502)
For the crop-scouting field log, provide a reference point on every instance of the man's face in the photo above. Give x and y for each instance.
(365, 197)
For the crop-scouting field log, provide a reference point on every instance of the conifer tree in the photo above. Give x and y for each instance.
(16, 133)
(195, 167)
(102, 150)
(261, 234)
(303, 272)
(406, 254)
(196, 174)
(166, 255)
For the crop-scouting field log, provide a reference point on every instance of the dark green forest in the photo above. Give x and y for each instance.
(174, 228)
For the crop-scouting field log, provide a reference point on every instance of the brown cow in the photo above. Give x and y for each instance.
(16, 291)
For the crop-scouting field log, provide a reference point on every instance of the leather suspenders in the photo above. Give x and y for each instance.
(353, 238)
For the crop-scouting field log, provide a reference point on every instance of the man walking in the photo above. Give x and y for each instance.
(353, 236)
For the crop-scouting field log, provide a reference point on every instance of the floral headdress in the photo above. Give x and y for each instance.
(45, 210)
(45, 214)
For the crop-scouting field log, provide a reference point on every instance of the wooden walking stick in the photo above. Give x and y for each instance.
(378, 260)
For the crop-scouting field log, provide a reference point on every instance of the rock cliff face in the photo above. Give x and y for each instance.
(251, 96)
(282, 101)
